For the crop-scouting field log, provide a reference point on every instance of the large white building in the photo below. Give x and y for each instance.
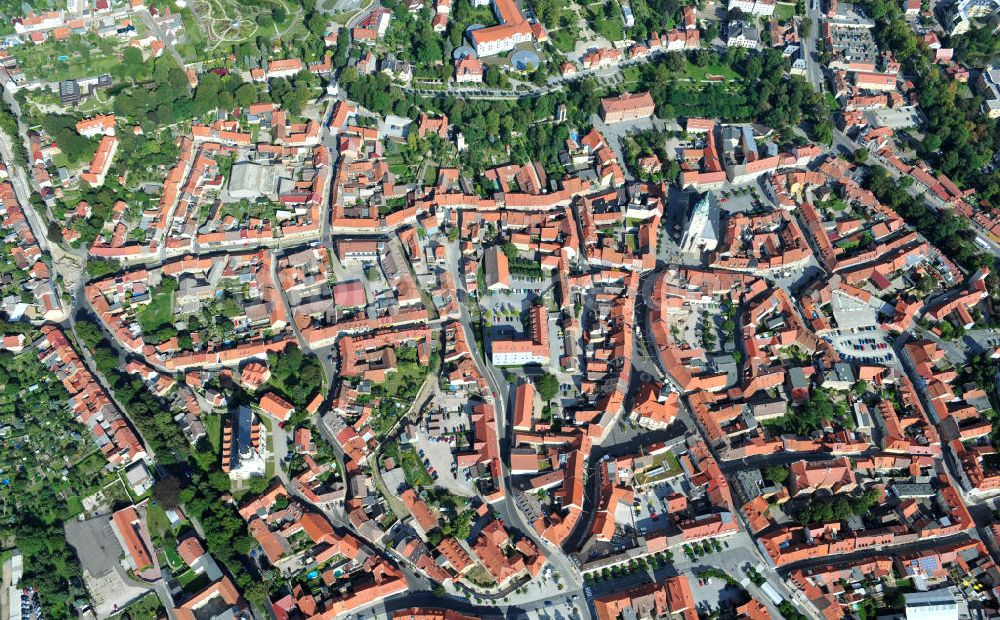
(958, 17)
(518, 353)
(702, 233)
(940, 604)
(500, 39)
(742, 34)
(512, 30)
(525, 351)
(989, 88)
(764, 8)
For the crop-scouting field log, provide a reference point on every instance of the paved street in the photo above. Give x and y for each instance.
(738, 554)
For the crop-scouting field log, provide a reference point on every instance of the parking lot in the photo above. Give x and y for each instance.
(866, 344)
(529, 504)
(440, 462)
(711, 593)
(100, 557)
(522, 294)
(649, 510)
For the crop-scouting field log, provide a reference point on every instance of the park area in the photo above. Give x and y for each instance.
(213, 28)
(78, 57)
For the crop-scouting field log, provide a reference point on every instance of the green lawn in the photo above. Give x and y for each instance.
(472, 15)
(406, 373)
(832, 102)
(183, 579)
(430, 175)
(784, 12)
(701, 73)
(630, 75)
(160, 309)
(74, 505)
(192, 582)
(563, 39)
(156, 519)
(612, 29)
(173, 558)
(213, 428)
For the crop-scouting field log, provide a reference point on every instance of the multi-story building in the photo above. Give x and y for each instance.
(742, 34)
(512, 30)
(627, 107)
(957, 17)
(628, 16)
(989, 87)
(753, 7)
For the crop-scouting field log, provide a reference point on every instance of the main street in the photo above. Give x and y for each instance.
(507, 507)
(810, 52)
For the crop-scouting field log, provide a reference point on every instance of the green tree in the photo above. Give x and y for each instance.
(776, 474)
(167, 491)
(132, 64)
(547, 385)
(246, 94)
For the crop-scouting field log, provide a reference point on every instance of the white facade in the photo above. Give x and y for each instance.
(628, 16)
(742, 34)
(47, 21)
(493, 46)
(753, 7)
(961, 14)
(989, 88)
(519, 358)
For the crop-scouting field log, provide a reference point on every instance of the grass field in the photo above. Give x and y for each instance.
(611, 29)
(156, 519)
(702, 73)
(430, 175)
(213, 428)
(406, 373)
(160, 309)
(784, 12)
(832, 102)
(192, 582)
(74, 505)
(630, 75)
(563, 39)
(173, 558)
